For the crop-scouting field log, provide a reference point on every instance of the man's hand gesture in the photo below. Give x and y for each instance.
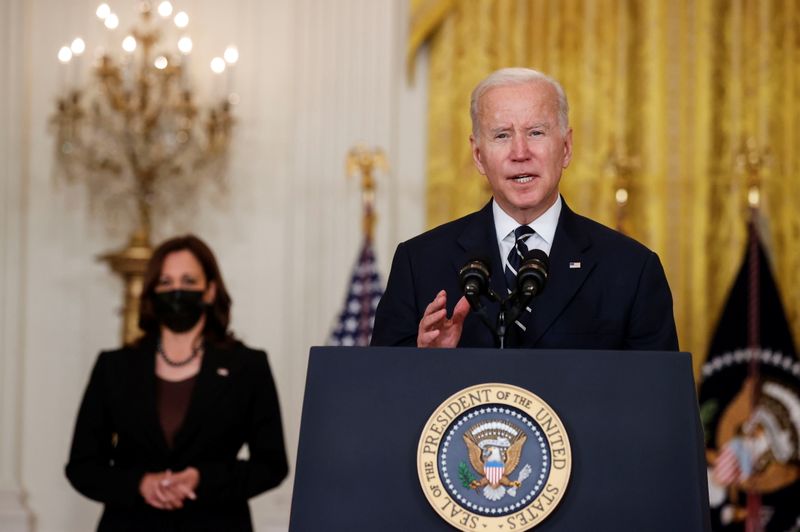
(435, 329)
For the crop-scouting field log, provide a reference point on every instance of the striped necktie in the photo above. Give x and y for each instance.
(515, 256)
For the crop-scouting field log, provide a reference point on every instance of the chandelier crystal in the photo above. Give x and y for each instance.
(133, 132)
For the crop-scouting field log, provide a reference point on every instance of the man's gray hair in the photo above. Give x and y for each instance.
(518, 76)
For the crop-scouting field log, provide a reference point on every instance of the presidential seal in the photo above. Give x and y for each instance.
(494, 457)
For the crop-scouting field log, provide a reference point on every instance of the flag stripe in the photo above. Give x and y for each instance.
(355, 322)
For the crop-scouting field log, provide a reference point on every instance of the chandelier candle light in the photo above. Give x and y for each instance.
(134, 134)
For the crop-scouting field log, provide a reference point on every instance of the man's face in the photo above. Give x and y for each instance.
(520, 147)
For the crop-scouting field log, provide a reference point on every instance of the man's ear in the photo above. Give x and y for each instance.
(567, 149)
(476, 154)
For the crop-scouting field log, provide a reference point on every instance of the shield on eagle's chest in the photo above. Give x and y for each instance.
(494, 472)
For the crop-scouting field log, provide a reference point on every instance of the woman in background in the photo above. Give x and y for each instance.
(162, 421)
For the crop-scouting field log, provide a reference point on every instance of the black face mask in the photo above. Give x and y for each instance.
(179, 310)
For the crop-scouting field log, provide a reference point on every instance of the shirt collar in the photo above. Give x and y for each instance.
(544, 225)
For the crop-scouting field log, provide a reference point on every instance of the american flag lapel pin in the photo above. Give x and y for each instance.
(575, 265)
(222, 372)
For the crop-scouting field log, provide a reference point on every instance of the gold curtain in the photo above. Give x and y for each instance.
(666, 97)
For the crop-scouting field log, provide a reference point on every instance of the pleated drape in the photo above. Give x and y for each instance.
(669, 97)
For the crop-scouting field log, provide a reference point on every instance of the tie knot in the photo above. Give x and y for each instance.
(522, 232)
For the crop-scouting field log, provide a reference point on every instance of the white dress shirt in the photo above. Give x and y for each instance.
(544, 228)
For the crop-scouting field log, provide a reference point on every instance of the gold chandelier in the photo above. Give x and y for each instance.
(133, 132)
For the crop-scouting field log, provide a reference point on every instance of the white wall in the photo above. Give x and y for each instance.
(315, 77)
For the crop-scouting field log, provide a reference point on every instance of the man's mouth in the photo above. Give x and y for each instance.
(522, 178)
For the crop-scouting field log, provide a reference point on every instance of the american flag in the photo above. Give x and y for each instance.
(354, 326)
(751, 347)
(727, 468)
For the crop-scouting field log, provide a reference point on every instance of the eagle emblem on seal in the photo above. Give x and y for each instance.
(494, 449)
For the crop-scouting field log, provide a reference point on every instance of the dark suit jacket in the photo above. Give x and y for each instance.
(604, 291)
(233, 402)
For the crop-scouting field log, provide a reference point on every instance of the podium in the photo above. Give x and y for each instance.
(637, 445)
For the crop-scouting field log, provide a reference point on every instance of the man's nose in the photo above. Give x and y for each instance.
(520, 151)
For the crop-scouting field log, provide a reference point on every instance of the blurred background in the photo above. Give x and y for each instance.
(681, 112)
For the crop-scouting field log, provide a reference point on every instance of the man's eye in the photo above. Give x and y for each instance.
(536, 133)
(501, 136)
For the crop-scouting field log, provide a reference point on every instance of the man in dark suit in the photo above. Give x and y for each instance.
(604, 290)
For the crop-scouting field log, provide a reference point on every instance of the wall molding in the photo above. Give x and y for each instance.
(14, 516)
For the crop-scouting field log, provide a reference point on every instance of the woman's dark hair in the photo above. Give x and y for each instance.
(219, 312)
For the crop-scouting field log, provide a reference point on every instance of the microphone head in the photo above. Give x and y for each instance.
(532, 274)
(474, 277)
(481, 258)
(540, 255)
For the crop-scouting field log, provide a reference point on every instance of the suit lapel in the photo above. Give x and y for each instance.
(214, 377)
(570, 265)
(142, 384)
(479, 239)
(571, 262)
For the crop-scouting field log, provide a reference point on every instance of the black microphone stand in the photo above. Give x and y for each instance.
(506, 315)
(510, 309)
(501, 325)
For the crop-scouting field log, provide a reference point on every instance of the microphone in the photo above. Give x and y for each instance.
(474, 281)
(531, 279)
(532, 275)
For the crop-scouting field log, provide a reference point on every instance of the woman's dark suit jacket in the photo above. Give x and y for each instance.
(118, 438)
